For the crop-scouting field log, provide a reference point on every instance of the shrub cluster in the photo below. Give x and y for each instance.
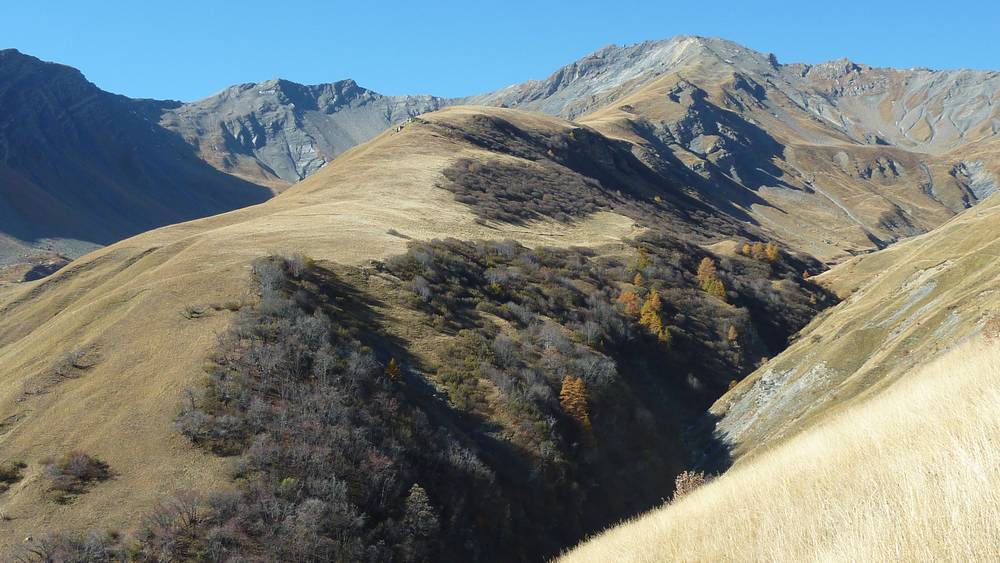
(538, 349)
(689, 481)
(72, 474)
(66, 547)
(764, 303)
(337, 461)
(501, 191)
(605, 306)
(526, 321)
(10, 472)
(568, 174)
(991, 330)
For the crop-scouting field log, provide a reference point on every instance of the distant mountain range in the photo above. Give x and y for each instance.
(834, 159)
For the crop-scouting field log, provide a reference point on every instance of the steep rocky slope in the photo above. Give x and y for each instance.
(904, 306)
(825, 156)
(80, 167)
(594, 81)
(278, 132)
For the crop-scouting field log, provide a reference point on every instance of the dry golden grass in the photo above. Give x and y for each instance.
(903, 307)
(913, 474)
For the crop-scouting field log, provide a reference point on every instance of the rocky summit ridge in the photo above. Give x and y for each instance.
(279, 131)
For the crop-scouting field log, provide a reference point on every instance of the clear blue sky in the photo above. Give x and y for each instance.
(186, 49)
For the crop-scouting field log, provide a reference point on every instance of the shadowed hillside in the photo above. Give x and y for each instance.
(81, 168)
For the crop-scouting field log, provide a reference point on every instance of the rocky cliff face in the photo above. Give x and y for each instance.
(592, 81)
(278, 132)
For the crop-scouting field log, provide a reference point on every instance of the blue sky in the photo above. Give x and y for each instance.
(186, 49)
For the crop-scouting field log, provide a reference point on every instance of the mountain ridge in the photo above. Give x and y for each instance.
(734, 107)
(288, 130)
(820, 110)
(73, 177)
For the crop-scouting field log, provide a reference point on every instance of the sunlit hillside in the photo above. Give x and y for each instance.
(911, 475)
(314, 323)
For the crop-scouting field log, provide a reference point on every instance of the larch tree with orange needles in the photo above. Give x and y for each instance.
(630, 303)
(573, 398)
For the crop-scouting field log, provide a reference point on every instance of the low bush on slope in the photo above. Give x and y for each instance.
(72, 474)
(911, 475)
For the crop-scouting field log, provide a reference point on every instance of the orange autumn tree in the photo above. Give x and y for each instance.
(708, 278)
(716, 288)
(573, 398)
(771, 252)
(649, 317)
(392, 370)
(706, 270)
(641, 258)
(630, 303)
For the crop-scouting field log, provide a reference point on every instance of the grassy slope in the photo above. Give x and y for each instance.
(907, 305)
(910, 475)
(126, 303)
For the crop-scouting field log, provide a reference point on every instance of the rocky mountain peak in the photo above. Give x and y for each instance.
(17, 66)
(279, 131)
(832, 70)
